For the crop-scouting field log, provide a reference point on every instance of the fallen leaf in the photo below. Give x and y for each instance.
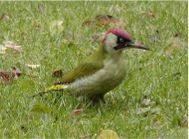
(56, 27)
(103, 20)
(148, 14)
(5, 75)
(5, 17)
(146, 102)
(12, 46)
(40, 108)
(76, 112)
(107, 19)
(142, 110)
(107, 134)
(33, 66)
(9, 75)
(57, 73)
(174, 44)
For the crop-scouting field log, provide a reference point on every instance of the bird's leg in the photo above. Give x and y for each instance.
(97, 98)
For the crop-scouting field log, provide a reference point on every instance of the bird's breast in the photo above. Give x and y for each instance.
(101, 81)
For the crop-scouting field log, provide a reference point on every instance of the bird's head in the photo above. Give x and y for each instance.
(116, 40)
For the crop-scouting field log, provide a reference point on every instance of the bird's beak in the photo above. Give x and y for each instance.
(135, 45)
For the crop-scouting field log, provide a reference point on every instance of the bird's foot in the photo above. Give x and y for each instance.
(97, 99)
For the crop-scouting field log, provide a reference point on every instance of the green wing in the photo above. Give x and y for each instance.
(82, 70)
(90, 66)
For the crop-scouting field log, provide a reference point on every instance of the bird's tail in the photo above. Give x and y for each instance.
(56, 87)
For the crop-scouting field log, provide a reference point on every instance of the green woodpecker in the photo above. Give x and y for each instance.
(102, 71)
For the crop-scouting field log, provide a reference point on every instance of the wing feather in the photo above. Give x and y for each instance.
(84, 69)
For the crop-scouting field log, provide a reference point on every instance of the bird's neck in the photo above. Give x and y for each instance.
(102, 55)
(108, 55)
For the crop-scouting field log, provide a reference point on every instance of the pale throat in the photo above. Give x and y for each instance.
(110, 42)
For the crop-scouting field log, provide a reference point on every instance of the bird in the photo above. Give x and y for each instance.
(101, 72)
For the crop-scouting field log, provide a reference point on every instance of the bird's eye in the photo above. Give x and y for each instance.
(121, 40)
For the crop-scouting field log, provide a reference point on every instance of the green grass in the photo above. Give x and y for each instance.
(159, 76)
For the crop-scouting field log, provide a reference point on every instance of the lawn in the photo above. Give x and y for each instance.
(150, 103)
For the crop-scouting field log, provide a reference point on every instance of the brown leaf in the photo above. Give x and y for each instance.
(9, 75)
(149, 13)
(76, 112)
(5, 75)
(103, 20)
(107, 19)
(57, 73)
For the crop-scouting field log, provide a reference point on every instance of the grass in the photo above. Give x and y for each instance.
(159, 76)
